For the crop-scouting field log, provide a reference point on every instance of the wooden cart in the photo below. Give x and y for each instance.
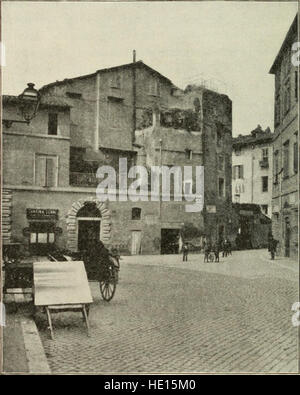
(107, 274)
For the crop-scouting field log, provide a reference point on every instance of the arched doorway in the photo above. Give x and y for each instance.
(88, 225)
(88, 209)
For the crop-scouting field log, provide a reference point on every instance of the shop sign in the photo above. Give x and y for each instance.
(42, 213)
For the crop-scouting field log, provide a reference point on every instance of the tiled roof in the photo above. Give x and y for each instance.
(257, 136)
(289, 36)
(128, 65)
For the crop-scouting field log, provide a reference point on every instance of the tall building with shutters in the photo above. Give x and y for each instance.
(285, 197)
(252, 164)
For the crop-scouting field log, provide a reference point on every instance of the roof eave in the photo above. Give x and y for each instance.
(286, 39)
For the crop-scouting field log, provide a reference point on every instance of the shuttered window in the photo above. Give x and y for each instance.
(286, 159)
(238, 172)
(265, 182)
(46, 170)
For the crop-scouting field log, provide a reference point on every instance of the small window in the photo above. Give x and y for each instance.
(296, 154)
(286, 159)
(189, 154)
(264, 209)
(74, 95)
(277, 110)
(52, 124)
(136, 213)
(221, 162)
(238, 172)
(265, 153)
(264, 181)
(287, 97)
(276, 167)
(221, 187)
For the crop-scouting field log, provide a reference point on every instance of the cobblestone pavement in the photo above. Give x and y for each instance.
(173, 317)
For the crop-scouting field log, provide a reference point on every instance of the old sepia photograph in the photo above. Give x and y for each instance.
(149, 190)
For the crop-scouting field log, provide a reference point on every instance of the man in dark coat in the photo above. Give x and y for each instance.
(272, 247)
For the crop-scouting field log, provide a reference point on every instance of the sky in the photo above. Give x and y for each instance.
(229, 46)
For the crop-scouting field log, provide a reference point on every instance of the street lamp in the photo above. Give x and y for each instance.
(28, 103)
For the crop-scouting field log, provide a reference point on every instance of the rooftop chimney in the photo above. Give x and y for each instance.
(134, 56)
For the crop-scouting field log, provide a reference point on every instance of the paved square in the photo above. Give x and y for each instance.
(170, 316)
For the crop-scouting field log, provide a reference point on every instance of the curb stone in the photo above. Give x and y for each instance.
(35, 354)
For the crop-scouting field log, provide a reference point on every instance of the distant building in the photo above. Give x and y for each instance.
(285, 194)
(252, 160)
(129, 111)
(251, 227)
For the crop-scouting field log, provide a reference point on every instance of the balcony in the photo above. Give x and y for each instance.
(83, 179)
(264, 164)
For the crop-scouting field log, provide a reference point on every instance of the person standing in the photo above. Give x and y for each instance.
(185, 252)
(216, 252)
(207, 250)
(272, 247)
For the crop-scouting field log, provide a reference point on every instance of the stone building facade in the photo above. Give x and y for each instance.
(285, 196)
(252, 169)
(130, 112)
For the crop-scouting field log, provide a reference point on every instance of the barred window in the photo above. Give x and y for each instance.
(136, 213)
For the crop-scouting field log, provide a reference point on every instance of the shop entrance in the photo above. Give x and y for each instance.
(88, 232)
(170, 241)
(88, 220)
(246, 224)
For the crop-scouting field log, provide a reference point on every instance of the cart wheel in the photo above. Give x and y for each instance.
(211, 258)
(107, 290)
(108, 286)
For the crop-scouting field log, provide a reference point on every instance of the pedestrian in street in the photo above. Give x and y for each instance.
(226, 248)
(224, 252)
(272, 247)
(216, 252)
(185, 252)
(229, 247)
(207, 250)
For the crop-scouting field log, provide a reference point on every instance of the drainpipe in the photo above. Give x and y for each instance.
(96, 147)
(134, 97)
(160, 184)
(252, 175)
